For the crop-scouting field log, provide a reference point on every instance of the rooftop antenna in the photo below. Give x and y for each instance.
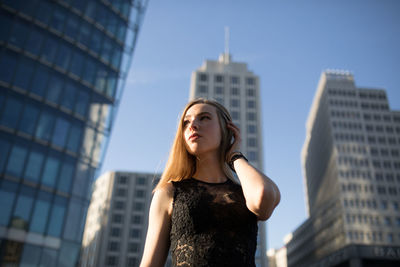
(226, 57)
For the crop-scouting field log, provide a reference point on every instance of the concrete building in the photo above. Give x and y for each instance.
(238, 89)
(117, 219)
(351, 164)
(62, 70)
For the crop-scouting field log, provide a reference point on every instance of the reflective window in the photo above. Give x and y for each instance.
(73, 220)
(4, 149)
(29, 119)
(66, 176)
(111, 84)
(68, 98)
(88, 142)
(82, 102)
(116, 58)
(24, 73)
(72, 25)
(44, 11)
(69, 253)
(101, 78)
(106, 53)
(34, 165)
(45, 126)
(84, 33)
(81, 180)
(54, 88)
(63, 56)
(27, 7)
(40, 212)
(23, 208)
(8, 61)
(60, 132)
(74, 138)
(112, 22)
(58, 18)
(16, 160)
(11, 112)
(77, 63)
(49, 50)
(30, 256)
(96, 41)
(6, 23)
(57, 216)
(49, 257)
(50, 171)
(121, 31)
(34, 42)
(7, 197)
(90, 71)
(18, 34)
(91, 9)
(39, 81)
(102, 15)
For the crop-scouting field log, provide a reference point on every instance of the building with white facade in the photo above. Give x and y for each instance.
(351, 165)
(238, 89)
(117, 219)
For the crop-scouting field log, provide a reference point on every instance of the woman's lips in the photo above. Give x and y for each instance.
(194, 136)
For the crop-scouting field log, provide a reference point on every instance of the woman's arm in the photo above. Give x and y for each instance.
(261, 193)
(157, 239)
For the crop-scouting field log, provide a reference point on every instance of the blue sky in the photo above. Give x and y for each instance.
(288, 43)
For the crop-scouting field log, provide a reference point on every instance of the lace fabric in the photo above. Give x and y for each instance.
(211, 225)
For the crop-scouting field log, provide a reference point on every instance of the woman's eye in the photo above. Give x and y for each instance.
(185, 123)
(205, 117)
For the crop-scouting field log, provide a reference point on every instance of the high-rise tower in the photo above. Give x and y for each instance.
(63, 64)
(238, 89)
(351, 163)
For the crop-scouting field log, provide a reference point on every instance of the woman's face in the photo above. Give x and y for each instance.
(201, 129)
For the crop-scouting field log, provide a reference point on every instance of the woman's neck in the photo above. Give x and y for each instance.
(208, 169)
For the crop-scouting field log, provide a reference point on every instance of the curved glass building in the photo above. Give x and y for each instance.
(63, 64)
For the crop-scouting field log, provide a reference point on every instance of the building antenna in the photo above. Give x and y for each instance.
(226, 57)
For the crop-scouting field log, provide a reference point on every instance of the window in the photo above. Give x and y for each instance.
(34, 165)
(133, 247)
(8, 60)
(235, 103)
(40, 212)
(74, 138)
(16, 160)
(122, 179)
(203, 89)
(251, 104)
(235, 91)
(11, 112)
(30, 255)
(250, 92)
(235, 115)
(23, 206)
(139, 206)
(113, 246)
(119, 205)
(252, 156)
(50, 171)
(135, 233)
(137, 219)
(60, 132)
(57, 216)
(219, 78)
(140, 193)
(252, 142)
(250, 81)
(203, 77)
(112, 260)
(7, 198)
(251, 129)
(141, 181)
(219, 90)
(235, 79)
(24, 73)
(44, 127)
(29, 119)
(39, 82)
(121, 192)
(251, 116)
(115, 231)
(66, 176)
(49, 51)
(68, 98)
(63, 57)
(117, 218)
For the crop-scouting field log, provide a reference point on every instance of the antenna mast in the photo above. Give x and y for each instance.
(226, 57)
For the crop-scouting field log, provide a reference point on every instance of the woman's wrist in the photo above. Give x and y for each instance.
(233, 157)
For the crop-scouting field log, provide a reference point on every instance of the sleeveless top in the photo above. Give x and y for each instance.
(211, 225)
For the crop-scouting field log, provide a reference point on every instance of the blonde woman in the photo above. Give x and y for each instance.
(198, 210)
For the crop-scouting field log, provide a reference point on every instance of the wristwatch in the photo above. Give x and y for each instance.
(235, 155)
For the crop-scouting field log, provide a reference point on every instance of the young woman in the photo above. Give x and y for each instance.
(198, 210)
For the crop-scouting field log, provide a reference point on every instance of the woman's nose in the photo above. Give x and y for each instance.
(194, 125)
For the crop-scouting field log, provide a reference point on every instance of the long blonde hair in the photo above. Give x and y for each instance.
(181, 164)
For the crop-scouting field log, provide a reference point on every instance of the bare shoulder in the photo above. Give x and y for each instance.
(163, 197)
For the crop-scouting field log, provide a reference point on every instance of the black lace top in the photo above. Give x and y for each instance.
(211, 225)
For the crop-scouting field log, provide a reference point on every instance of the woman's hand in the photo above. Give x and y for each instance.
(237, 140)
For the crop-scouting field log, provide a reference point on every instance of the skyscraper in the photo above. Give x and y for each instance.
(238, 89)
(62, 70)
(117, 219)
(351, 163)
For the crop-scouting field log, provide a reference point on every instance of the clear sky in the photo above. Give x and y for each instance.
(288, 43)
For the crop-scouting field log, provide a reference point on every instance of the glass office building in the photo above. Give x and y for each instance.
(63, 64)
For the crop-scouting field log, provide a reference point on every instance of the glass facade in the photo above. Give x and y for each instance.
(63, 65)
